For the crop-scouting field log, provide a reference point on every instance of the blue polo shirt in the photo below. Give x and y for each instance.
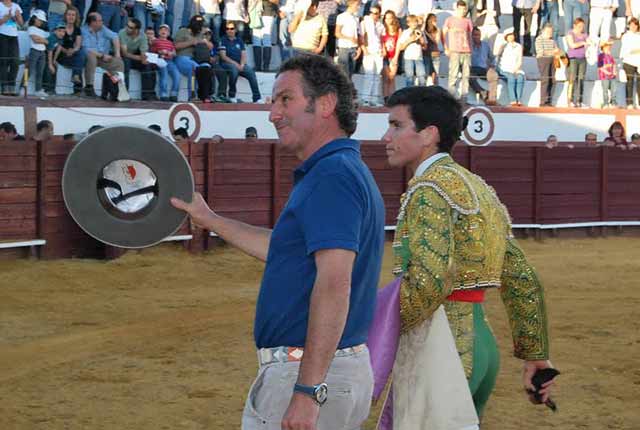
(233, 48)
(335, 204)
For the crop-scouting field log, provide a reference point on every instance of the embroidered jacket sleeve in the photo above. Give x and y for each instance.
(523, 298)
(427, 279)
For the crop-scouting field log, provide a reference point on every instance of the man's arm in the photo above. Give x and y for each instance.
(249, 239)
(328, 310)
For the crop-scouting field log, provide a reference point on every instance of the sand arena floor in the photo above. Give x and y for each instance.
(162, 339)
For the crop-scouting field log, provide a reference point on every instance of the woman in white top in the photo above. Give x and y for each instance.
(38, 53)
(510, 68)
(10, 19)
(630, 54)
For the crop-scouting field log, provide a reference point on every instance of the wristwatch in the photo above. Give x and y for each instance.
(316, 392)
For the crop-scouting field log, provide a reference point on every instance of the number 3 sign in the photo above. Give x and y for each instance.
(186, 116)
(480, 127)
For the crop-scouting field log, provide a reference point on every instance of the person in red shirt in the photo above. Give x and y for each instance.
(390, 53)
(457, 46)
(166, 51)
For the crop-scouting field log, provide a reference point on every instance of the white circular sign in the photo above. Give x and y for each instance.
(480, 128)
(186, 116)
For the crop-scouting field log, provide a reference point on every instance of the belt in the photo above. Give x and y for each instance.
(284, 354)
(111, 2)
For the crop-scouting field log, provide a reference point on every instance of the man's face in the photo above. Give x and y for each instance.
(163, 33)
(291, 112)
(97, 24)
(591, 140)
(353, 6)
(552, 141)
(461, 11)
(230, 30)
(375, 13)
(405, 146)
(476, 36)
(132, 30)
(547, 33)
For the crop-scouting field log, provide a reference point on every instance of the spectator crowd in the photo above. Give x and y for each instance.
(206, 41)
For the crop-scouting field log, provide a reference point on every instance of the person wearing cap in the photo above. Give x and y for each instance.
(10, 19)
(54, 40)
(510, 67)
(453, 243)
(607, 74)
(166, 50)
(38, 52)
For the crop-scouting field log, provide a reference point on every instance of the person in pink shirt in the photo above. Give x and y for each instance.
(607, 74)
(457, 46)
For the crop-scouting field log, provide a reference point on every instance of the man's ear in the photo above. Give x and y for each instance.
(430, 137)
(327, 104)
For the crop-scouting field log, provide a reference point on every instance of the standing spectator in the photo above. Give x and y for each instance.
(488, 13)
(103, 50)
(618, 135)
(577, 40)
(347, 30)
(111, 13)
(38, 52)
(510, 68)
(550, 14)
(398, 7)
(186, 40)
(607, 75)
(600, 18)
(166, 50)
(234, 59)
(591, 140)
(632, 9)
(212, 15)
(134, 47)
(72, 55)
(412, 42)
(235, 11)
(44, 131)
(261, 37)
(150, 13)
(329, 11)
(432, 53)
(546, 51)
(419, 8)
(524, 9)
(309, 30)
(8, 132)
(390, 53)
(457, 46)
(286, 13)
(10, 19)
(483, 65)
(372, 30)
(630, 54)
(57, 8)
(574, 9)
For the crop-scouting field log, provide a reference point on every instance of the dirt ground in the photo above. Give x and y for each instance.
(162, 339)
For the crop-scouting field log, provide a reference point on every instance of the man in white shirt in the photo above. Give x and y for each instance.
(347, 30)
(371, 29)
(600, 18)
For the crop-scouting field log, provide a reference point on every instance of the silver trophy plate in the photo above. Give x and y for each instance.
(117, 183)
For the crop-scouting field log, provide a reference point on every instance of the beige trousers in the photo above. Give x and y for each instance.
(114, 65)
(350, 382)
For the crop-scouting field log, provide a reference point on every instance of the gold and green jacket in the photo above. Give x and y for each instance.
(453, 233)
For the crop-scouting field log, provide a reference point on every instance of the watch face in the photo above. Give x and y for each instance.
(321, 393)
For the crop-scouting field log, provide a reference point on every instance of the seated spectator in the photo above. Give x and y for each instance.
(186, 40)
(591, 139)
(134, 47)
(607, 75)
(181, 135)
(483, 65)
(630, 55)
(221, 76)
(71, 53)
(635, 141)
(202, 55)
(156, 128)
(166, 50)
(546, 51)
(38, 52)
(10, 19)
(103, 50)
(510, 68)
(347, 37)
(618, 135)
(412, 42)
(150, 32)
(608, 141)
(53, 44)
(309, 33)
(251, 135)
(44, 131)
(234, 59)
(8, 132)
(552, 141)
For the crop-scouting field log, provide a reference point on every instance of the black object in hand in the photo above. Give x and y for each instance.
(541, 377)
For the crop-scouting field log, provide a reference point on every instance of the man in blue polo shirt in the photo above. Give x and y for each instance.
(323, 259)
(234, 59)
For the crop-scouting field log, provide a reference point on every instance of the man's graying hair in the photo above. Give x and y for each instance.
(320, 77)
